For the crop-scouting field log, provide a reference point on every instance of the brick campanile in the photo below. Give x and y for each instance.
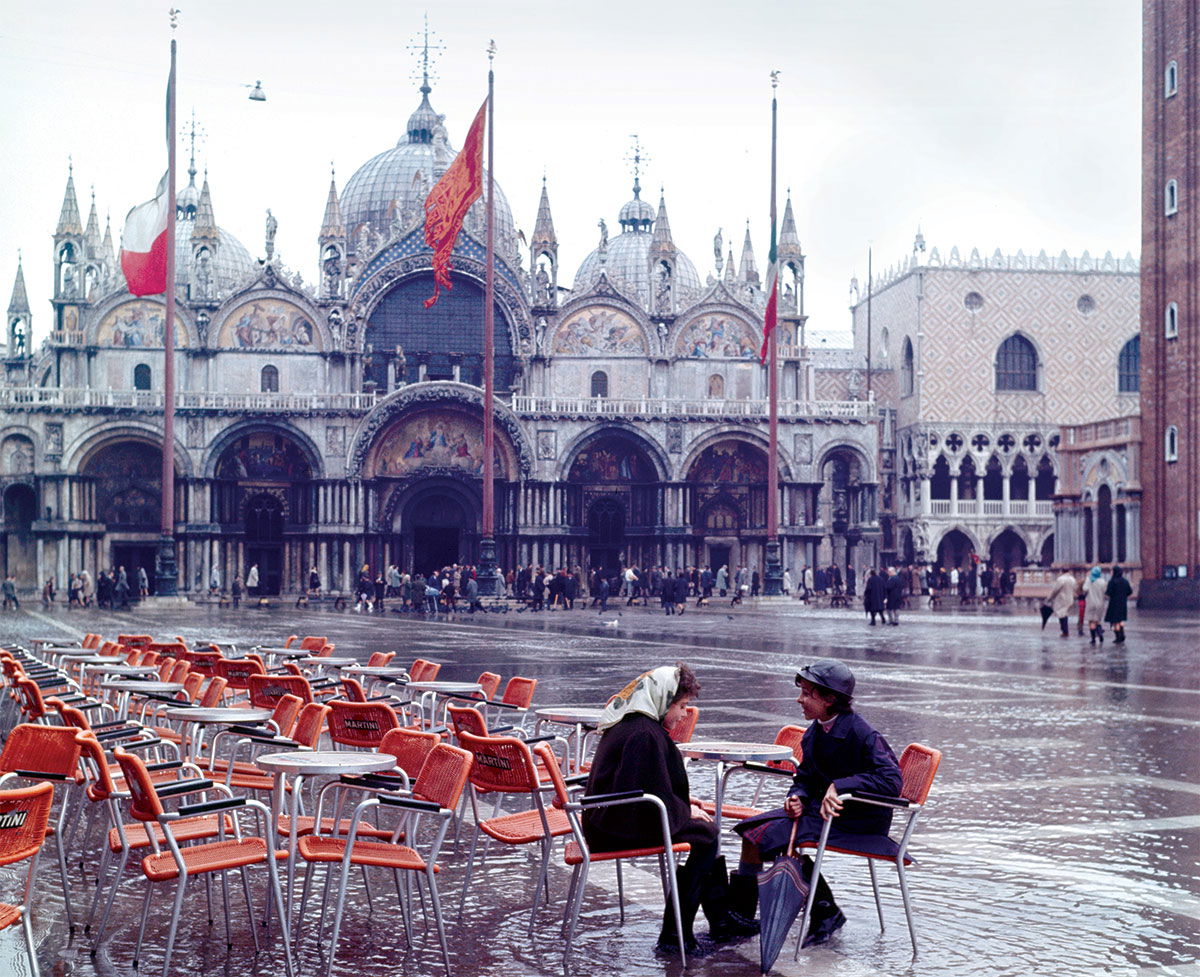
(1170, 304)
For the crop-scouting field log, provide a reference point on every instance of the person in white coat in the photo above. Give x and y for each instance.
(252, 581)
(1095, 603)
(1062, 600)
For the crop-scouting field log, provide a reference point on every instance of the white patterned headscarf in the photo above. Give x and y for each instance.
(650, 694)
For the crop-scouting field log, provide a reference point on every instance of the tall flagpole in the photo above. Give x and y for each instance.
(166, 571)
(773, 575)
(486, 573)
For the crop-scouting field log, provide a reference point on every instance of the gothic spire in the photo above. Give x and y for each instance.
(206, 223)
(332, 226)
(748, 270)
(789, 240)
(662, 228)
(19, 303)
(543, 229)
(68, 218)
(91, 235)
(730, 268)
(107, 252)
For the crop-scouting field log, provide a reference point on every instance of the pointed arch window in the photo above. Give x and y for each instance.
(1171, 198)
(141, 377)
(269, 380)
(1171, 320)
(1016, 364)
(716, 387)
(599, 384)
(1129, 366)
(907, 370)
(1171, 444)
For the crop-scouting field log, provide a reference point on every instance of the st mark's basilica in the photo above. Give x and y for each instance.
(339, 423)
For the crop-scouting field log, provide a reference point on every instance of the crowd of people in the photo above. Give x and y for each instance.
(1097, 599)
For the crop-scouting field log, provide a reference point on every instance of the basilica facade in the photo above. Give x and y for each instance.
(338, 423)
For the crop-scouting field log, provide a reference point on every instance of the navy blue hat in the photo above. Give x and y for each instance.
(828, 673)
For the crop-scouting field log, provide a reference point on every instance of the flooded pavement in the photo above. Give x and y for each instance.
(1061, 837)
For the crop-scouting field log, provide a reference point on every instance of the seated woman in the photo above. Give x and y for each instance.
(841, 752)
(636, 752)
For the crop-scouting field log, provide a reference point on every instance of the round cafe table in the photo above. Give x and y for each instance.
(212, 716)
(308, 763)
(127, 687)
(729, 755)
(582, 718)
(329, 661)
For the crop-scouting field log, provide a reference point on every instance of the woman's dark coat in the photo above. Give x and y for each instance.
(636, 754)
(873, 594)
(1118, 596)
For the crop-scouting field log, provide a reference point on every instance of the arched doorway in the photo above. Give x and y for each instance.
(1007, 551)
(1047, 551)
(264, 540)
(606, 535)
(955, 550)
(128, 480)
(729, 494)
(20, 549)
(436, 526)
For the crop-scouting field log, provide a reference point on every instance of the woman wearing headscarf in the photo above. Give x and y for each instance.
(1118, 593)
(1094, 599)
(636, 752)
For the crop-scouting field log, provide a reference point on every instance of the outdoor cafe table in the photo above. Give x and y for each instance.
(40, 643)
(307, 763)
(293, 652)
(450, 690)
(581, 717)
(729, 756)
(125, 687)
(215, 716)
(329, 662)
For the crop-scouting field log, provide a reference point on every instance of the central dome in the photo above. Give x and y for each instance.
(392, 186)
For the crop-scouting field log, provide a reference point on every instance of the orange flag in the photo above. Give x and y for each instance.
(449, 201)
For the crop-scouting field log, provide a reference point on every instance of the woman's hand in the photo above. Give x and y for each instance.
(793, 806)
(699, 814)
(831, 807)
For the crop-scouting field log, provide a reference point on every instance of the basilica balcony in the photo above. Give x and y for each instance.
(658, 408)
(91, 400)
(990, 509)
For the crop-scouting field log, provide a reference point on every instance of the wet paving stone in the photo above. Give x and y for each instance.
(1061, 836)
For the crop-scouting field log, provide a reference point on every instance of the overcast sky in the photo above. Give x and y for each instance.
(1012, 125)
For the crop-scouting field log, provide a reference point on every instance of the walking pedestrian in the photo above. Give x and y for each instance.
(873, 596)
(1118, 593)
(214, 581)
(87, 588)
(143, 584)
(787, 580)
(1062, 599)
(1095, 598)
(851, 580)
(48, 593)
(252, 581)
(10, 594)
(722, 580)
(236, 590)
(893, 595)
(121, 590)
(314, 582)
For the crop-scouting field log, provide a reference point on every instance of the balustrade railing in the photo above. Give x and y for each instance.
(67, 398)
(664, 406)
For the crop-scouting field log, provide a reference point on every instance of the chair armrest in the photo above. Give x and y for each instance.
(109, 724)
(143, 744)
(878, 800)
(41, 775)
(126, 732)
(539, 739)
(599, 800)
(208, 807)
(756, 767)
(165, 765)
(383, 781)
(409, 804)
(184, 787)
(578, 778)
(246, 729)
(273, 741)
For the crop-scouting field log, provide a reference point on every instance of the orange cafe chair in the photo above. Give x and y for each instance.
(24, 820)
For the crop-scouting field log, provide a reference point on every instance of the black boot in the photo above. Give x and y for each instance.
(1120, 638)
(1093, 641)
(1100, 633)
(730, 903)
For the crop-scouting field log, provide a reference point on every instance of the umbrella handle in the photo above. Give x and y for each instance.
(791, 847)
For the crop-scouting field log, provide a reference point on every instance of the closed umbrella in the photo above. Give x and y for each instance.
(782, 893)
(1047, 613)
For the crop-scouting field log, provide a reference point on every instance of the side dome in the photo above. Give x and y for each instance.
(233, 264)
(392, 187)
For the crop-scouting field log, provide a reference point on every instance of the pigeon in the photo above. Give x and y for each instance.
(611, 624)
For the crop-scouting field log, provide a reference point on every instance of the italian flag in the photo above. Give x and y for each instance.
(144, 245)
(771, 319)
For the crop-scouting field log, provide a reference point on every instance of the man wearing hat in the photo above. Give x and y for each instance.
(841, 752)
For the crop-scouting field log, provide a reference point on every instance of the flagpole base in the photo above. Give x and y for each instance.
(486, 575)
(166, 571)
(773, 575)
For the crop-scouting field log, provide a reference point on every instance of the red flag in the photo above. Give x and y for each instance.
(449, 201)
(144, 245)
(772, 317)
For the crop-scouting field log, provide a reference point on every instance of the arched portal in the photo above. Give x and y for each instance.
(263, 492)
(729, 498)
(955, 550)
(1007, 551)
(435, 524)
(20, 548)
(606, 535)
(128, 500)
